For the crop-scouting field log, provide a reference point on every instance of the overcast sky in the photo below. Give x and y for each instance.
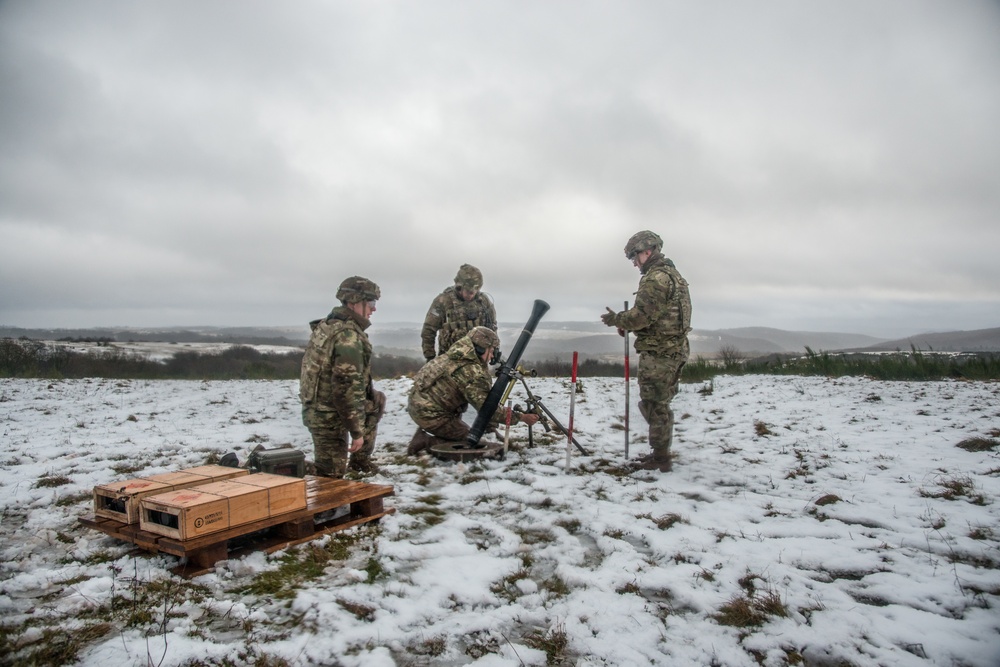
(810, 166)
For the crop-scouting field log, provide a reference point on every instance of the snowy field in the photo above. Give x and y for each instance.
(807, 522)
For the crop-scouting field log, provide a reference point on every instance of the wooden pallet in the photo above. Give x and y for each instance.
(323, 496)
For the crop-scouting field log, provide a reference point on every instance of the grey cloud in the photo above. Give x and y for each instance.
(237, 160)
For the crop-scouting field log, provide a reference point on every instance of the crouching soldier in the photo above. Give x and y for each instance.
(340, 406)
(448, 384)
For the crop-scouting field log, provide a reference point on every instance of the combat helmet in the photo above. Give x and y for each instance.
(644, 240)
(356, 289)
(483, 337)
(469, 277)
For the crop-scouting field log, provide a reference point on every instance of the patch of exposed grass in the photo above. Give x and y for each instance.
(300, 565)
(629, 588)
(705, 575)
(433, 646)
(954, 488)
(362, 612)
(761, 429)
(571, 526)
(978, 444)
(74, 498)
(664, 522)
(556, 586)
(981, 533)
(57, 647)
(50, 482)
(536, 535)
(507, 587)
(128, 467)
(554, 642)
(482, 646)
(374, 569)
(828, 499)
(751, 610)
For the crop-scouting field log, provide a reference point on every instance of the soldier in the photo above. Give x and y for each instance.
(455, 311)
(661, 320)
(447, 385)
(339, 401)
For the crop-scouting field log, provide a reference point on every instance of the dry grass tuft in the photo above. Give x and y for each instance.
(978, 444)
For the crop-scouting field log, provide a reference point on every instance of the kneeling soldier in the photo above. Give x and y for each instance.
(448, 384)
(339, 401)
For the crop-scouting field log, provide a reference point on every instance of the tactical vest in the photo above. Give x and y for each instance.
(315, 386)
(680, 302)
(669, 330)
(460, 317)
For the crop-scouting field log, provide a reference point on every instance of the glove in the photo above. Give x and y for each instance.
(609, 317)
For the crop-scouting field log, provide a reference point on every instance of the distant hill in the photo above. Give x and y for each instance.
(766, 340)
(979, 340)
(551, 340)
(594, 340)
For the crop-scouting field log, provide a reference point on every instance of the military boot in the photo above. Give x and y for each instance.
(661, 461)
(363, 465)
(420, 441)
(336, 470)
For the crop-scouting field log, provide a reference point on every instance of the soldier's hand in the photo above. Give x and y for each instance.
(529, 418)
(356, 445)
(609, 317)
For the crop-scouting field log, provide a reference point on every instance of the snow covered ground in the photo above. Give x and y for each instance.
(807, 521)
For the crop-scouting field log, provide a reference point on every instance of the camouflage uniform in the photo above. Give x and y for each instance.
(661, 320)
(447, 385)
(339, 401)
(449, 317)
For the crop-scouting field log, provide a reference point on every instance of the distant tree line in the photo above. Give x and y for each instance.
(27, 358)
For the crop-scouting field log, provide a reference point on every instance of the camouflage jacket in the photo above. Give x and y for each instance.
(447, 385)
(449, 318)
(661, 314)
(336, 368)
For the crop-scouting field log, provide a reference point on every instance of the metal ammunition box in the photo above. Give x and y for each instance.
(281, 461)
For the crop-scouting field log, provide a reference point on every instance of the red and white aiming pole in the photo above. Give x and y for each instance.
(626, 389)
(506, 434)
(572, 407)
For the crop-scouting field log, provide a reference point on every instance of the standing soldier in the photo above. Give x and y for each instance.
(339, 401)
(447, 385)
(661, 320)
(455, 311)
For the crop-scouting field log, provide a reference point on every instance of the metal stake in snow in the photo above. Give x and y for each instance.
(626, 388)
(572, 406)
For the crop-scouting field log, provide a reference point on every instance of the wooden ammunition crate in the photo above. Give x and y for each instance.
(284, 494)
(120, 500)
(322, 515)
(184, 514)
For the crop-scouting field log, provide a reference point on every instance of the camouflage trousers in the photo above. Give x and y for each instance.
(659, 375)
(331, 440)
(446, 427)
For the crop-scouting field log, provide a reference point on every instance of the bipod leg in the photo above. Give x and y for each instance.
(560, 427)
